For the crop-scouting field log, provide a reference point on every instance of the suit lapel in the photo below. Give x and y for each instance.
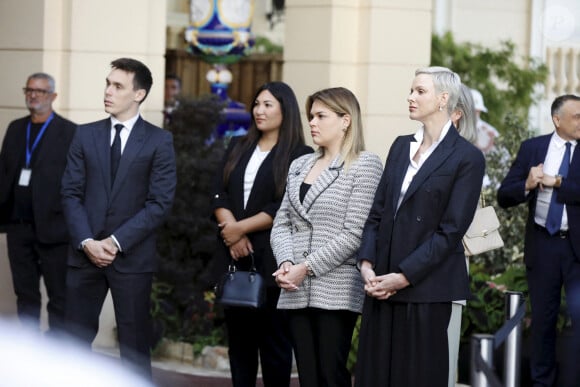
(399, 171)
(296, 177)
(132, 147)
(264, 174)
(575, 163)
(102, 138)
(237, 180)
(261, 174)
(542, 149)
(325, 179)
(438, 157)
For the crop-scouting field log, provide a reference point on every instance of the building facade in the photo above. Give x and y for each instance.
(369, 46)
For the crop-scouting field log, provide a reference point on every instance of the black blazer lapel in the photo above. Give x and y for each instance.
(237, 183)
(264, 170)
(399, 171)
(438, 157)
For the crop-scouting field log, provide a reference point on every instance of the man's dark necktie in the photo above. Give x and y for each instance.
(116, 151)
(556, 209)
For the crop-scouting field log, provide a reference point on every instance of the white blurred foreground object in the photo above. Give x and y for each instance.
(29, 359)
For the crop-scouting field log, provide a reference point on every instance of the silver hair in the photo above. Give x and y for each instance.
(467, 124)
(46, 76)
(445, 81)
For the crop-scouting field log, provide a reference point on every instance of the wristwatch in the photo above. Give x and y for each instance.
(309, 271)
(558, 181)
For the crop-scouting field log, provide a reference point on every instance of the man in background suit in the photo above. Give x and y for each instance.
(117, 188)
(172, 95)
(32, 162)
(546, 174)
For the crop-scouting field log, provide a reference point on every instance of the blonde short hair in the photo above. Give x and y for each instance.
(445, 81)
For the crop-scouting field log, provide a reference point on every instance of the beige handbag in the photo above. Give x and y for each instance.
(483, 233)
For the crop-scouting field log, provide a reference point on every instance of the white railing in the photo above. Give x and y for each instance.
(564, 71)
(563, 64)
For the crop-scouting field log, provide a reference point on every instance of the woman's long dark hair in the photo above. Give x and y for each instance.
(289, 136)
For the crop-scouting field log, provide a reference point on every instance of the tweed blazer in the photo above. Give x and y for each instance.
(326, 228)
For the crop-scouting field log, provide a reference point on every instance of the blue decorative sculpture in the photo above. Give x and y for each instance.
(220, 34)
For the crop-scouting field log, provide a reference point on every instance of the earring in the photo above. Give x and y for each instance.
(344, 129)
(440, 108)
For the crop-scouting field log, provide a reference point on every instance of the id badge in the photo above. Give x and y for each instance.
(24, 180)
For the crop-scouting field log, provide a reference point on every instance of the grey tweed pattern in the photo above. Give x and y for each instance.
(326, 229)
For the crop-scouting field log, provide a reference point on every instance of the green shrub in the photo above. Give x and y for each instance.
(506, 81)
(182, 308)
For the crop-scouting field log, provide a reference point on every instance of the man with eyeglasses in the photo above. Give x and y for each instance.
(32, 162)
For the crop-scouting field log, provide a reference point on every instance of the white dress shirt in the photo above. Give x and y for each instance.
(414, 167)
(251, 170)
(552, 163)
(125, 132)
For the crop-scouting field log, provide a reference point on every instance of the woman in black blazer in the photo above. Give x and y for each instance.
(247, 193)
(411, 256)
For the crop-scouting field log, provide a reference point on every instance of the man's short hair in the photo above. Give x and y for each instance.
(142, 78)
(559, 101)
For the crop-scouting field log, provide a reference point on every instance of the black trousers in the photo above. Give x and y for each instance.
(322, 341)
(262, 333)
(29, 261)
(553, 265)
(131, 292)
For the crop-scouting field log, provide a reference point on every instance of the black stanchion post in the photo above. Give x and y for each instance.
(481, 346)
(513, 344)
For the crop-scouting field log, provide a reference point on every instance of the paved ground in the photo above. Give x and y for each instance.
(169, 378)
(165, 378)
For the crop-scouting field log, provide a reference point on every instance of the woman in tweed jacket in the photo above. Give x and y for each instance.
(316, 234)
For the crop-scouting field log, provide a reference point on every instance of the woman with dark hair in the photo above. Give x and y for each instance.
(248, 192)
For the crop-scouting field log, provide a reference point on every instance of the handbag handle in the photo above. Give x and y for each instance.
(232, 265)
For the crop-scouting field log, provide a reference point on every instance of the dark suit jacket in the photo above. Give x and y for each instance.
(133, 207)
(422, 239)
(513, 192)
(262, 199)
(47, 170)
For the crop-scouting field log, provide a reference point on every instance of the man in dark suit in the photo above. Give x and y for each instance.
(172, 95)
(117, 188)
(546, 175)
(32, 162)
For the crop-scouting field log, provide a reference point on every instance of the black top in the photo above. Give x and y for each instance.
(22, 212)
(304, 187)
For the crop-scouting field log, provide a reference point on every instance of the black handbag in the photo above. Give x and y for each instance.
(241, 288)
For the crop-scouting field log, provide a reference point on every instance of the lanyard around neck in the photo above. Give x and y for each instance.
(30, 150)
